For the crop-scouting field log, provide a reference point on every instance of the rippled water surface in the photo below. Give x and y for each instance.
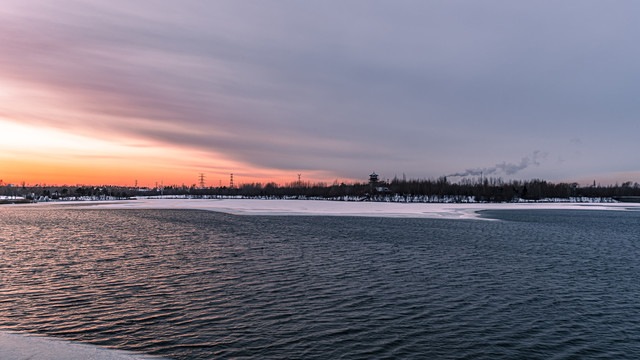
(202, 285)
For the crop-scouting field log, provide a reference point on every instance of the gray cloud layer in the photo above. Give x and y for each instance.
(418, 87)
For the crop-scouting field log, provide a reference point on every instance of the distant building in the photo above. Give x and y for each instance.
(373, 178)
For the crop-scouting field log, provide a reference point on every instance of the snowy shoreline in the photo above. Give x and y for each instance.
(22, 346)
(332, 208)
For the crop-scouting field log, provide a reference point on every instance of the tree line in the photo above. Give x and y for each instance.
(416, 190)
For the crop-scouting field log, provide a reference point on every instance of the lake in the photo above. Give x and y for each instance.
(189, 284)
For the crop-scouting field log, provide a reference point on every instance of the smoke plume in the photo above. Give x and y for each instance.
(505, 167)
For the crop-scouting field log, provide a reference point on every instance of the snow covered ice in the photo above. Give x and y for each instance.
(339, 208)
(20, 346)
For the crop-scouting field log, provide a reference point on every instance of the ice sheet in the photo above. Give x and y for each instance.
(20, 346)
(339, 208)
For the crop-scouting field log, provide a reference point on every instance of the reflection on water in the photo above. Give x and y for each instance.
(195, 284)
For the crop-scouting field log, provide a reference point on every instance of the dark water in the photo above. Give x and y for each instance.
(201, 285)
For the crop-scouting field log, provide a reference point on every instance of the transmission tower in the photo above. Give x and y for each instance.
(201, 180)
(231, 181)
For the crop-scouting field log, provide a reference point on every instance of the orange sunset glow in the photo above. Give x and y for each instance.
(39, 155)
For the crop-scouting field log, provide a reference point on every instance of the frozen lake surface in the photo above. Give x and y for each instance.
(339, 208)
(21, 346)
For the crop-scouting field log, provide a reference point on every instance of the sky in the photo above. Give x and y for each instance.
(113, 92)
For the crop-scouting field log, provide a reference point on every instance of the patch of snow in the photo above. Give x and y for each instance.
(341, 208)
(21, 346)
